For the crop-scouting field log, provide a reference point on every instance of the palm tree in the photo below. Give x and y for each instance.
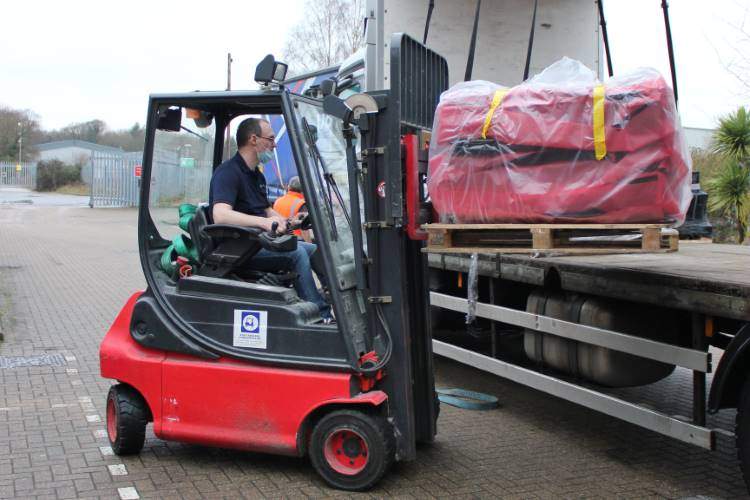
(729, 189)
(730, 194)
(732, 138)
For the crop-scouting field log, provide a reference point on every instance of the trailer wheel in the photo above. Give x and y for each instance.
(352, 450)
(127, 416)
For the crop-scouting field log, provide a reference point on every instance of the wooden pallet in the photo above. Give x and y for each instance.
(551, 238)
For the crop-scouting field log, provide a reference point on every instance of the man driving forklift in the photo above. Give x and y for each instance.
(238, 197)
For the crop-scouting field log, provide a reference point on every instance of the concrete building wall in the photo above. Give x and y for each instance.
(698, 138)
(563, 28)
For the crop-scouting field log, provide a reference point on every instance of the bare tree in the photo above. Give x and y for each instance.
(330, 31)
(17, 126)
(736, 60)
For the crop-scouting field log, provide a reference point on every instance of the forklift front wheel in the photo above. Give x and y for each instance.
(352, 450)
(127, 416)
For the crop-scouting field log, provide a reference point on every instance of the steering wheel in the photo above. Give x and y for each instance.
(305, 223)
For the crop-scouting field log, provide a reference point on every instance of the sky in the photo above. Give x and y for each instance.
(80, 60)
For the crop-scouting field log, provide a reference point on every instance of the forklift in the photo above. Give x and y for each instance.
(217, 354)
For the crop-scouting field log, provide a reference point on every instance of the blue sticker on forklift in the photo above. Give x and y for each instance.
(250, 328)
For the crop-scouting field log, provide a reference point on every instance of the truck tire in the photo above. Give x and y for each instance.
(742, 431)
(352, 450)
(127, 416)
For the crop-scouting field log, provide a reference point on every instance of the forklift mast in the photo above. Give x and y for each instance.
(394, 198)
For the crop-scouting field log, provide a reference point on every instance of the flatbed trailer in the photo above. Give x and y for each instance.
(702, 291)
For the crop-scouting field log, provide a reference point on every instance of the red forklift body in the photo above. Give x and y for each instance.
(221, 351)
(224, 402)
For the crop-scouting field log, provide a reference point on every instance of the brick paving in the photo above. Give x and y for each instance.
(66, 271)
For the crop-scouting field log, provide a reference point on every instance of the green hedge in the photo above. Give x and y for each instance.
(51, 174)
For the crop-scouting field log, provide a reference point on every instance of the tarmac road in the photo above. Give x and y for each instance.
(68, 269)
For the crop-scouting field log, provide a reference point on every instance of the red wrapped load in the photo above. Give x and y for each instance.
(560, 147)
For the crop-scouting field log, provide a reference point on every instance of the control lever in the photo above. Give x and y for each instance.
(275, 242)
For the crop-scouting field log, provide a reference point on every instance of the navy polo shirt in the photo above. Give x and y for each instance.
(243, 189)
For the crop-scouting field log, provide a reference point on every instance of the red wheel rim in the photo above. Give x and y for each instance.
(111, 421)
(346, 452)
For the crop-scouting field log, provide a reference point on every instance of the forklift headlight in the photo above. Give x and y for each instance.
(269, 70)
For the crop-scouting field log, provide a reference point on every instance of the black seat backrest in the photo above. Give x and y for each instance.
(203, 243)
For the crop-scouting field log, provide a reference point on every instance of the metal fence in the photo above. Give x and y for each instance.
(113, 180)
(172, 184)
(18, 175)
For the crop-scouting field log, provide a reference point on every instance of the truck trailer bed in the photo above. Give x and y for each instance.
(703, 277)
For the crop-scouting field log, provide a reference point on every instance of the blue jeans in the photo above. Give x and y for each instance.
(299, 262)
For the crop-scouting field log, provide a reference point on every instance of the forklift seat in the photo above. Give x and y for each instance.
(225, 250)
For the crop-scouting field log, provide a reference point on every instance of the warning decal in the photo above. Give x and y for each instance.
(250, 328)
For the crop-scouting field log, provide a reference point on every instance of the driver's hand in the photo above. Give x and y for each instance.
(282, 223)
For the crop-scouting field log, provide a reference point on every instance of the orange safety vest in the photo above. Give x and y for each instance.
(289, 205)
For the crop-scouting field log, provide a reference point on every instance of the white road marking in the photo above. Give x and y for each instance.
(118, 470)
(106, 451)
(100, 433)
(93, 418)
(84, 399)
(128, 493)
(71, 371)
(70, 359)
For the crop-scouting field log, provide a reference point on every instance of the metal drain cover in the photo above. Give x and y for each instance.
(38, 360)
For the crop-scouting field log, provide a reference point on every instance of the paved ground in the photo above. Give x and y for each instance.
(23, 196)
(65, 272)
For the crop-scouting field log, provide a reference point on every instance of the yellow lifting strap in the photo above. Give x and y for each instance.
(496, 100)
(600, 142)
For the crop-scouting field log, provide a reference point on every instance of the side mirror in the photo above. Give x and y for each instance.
(328, 86)
(170, 119)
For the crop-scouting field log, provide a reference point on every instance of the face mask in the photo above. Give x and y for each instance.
(265, 156)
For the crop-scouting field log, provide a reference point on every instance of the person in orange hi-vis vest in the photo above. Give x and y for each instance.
(292, 204)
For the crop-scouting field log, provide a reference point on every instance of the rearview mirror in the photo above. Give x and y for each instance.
(169, 119)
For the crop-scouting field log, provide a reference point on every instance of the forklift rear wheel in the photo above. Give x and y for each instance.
(352, 450)
(127, 416)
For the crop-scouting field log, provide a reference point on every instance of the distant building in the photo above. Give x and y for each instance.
(698, 138)
(72, 151)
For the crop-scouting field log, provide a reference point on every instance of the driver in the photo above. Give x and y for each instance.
(238, 197)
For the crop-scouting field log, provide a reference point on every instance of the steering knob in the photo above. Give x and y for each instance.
(274, 228)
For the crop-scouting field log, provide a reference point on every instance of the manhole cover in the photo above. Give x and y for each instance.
(38, 360)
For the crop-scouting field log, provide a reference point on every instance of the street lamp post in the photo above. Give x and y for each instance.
(20, 143)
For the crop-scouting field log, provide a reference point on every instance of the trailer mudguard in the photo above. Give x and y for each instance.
(730, 376)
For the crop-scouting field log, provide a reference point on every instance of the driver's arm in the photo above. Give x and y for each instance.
(223, 213)
(270, 212)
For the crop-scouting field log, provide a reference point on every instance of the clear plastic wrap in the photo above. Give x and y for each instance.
(562, 148)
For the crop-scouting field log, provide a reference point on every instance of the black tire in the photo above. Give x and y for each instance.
(352, 450)
(127, 416)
